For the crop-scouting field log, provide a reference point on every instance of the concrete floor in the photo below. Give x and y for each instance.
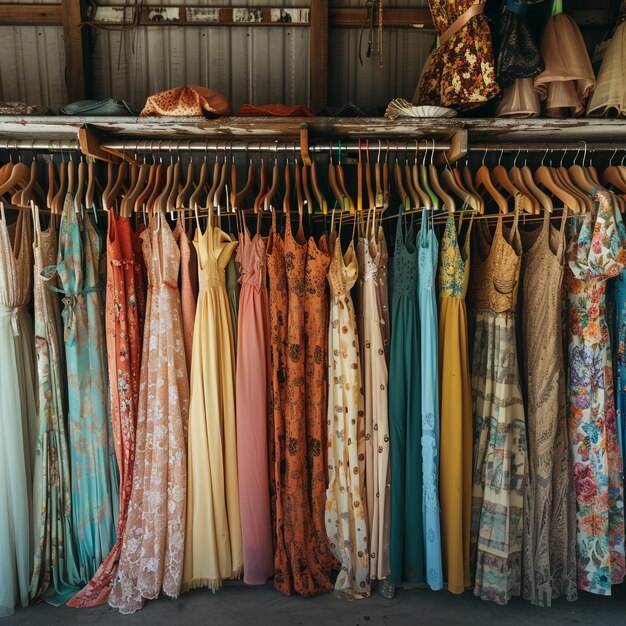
(260, 606)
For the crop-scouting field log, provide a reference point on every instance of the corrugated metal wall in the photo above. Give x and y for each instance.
(257, 65)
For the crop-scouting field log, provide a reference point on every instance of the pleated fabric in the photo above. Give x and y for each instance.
(455, 478)
(213, 548)
(251, 397)
(18, 412)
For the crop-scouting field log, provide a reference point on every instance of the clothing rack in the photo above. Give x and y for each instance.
(238, 145)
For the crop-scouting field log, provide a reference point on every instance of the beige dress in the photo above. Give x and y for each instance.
(375, 378)
(549, 548)
(151, 560)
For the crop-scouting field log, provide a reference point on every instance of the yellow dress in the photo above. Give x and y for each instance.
(213, 546)
(456, 411)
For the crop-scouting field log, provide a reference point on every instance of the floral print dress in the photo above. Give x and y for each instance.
(346, 505)
(596, 254)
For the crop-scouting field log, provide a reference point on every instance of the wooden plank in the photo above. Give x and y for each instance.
(458, 145)
(74, 52)
(26, 14)
(318, 55)
(392, 18)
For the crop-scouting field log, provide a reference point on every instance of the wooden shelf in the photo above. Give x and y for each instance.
(506, 131)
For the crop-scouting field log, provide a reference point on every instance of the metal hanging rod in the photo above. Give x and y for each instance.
(595, 146)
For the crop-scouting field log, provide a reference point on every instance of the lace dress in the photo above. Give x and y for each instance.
(428, 249)
(549, 506)
(595, 254)
(18, 412)
(346, 504)
(151, 559)
(455, 477)
(405, 425)
(500, 457)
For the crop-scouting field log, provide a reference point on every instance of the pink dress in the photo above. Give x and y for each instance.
(252, 411)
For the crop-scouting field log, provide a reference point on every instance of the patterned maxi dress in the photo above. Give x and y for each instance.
(123, 342)
(598, 252)
(549, 509)
(375, 381)
(18, 412)
(251, 402)
(346, 504)
(151, 559)
(94, 472)
(500, 458)
(428, 253)
(55, 574)
(315, 356)
(455, 483)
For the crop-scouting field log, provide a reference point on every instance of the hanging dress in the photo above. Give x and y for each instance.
(375, 383)
(315, 401)
(346, 504)
(123, 342)
(275, 256)
(595, 254)
(251, 401)
(500, 457)
(428, 252)
(213, 548)
(188, 286)
(151, 559)
(407, 545)
(94, 474)
(381, 258)
(232, 287)
(455, 476)
(18, 412)
(549, 508)
(618, 341)
(55, 575)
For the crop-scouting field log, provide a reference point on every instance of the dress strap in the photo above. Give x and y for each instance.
(514, 228)
(400, 227)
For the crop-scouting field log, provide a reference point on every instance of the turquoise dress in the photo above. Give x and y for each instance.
(405, 426)
(617, 297)
(428, 248)
(92, 455)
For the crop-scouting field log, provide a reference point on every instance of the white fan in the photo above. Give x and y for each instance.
(399, 107)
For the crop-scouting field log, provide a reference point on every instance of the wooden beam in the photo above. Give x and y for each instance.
(392, 18)
(26, 14)
(318, 55)
(74, 52)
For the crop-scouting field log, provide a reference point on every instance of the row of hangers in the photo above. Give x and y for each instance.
(145, 188)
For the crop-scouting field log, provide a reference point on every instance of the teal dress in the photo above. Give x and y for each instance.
(92, 457)
(407, 545)
(428, 248)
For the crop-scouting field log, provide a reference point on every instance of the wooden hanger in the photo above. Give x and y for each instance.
(483, 179)
(170, 201)
(181, 198)
(321, 199)
(144, 194)
(196, 196)
(59, 196)
(238, 198)
(306, 189)
(79, 194)
(449, 181)
(129, 203)
(468, 179)
(299, 195)
(269, 196)
(332, 181)
(51, 185)
(544, 176)
(404, 197)
(263, 188)
(561, 172)
(517, 178)
(500, 178)
(287, 196)
(613, 176)
(410, 187)
(348, 203)
(415, 175)
(111, 195)
(380, 197)
(217, 196)
(368, 178)
(156, 188)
